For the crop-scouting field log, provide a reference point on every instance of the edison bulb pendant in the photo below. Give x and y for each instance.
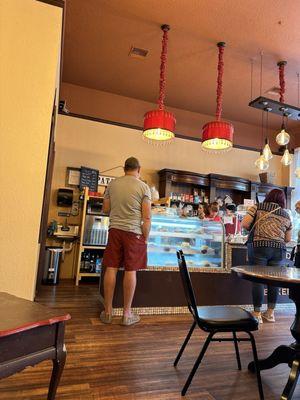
(261, 163)
(283, 137)
(267, 153)
(286, 158)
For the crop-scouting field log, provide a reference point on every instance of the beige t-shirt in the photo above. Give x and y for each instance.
(126, 195)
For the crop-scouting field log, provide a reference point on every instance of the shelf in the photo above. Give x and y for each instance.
(186, 202)
(89, 274)
(86, 246)
(175, 234)
(95, 197)
(183, 235)
(191, 252)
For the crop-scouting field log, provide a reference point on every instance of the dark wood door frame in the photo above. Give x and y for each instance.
(46, 199)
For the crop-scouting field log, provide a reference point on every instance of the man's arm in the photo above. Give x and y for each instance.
(106, 206)
(146, 217)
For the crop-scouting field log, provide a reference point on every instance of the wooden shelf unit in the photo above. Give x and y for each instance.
(215, 185)
(83, 247)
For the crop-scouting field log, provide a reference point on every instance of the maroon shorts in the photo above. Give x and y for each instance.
(125, 249)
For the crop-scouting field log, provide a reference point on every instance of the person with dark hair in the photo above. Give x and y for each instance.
(127, 200)
(231, 222)
(270, 228)
(212, 212)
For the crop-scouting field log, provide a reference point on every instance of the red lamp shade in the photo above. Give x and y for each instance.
(159, 125)
(217, 135)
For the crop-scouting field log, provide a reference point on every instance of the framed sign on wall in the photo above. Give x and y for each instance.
(73, 176)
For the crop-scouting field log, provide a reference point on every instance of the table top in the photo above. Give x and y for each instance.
(18, 315)
(278, 276)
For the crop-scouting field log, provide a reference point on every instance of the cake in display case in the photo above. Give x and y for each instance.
(201, 241)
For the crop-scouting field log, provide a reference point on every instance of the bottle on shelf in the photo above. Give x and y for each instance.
(98, 263)
(93, 263)
(86, 261)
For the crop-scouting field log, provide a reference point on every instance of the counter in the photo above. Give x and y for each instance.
(209, 259)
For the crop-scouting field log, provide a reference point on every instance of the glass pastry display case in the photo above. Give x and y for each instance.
(201, 241)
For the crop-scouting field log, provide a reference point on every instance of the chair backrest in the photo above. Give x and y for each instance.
(187, 284)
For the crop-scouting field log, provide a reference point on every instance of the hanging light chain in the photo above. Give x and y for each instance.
(221, 46)
(281, 65)
(261, 72)
(298, 84)
(251, 79)
(262, 128)
(163, 65)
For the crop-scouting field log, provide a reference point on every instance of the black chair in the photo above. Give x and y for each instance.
(216, 319)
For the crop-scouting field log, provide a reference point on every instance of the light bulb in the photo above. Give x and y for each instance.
(297, 172)
(283, 137)
(286, 158)
(261, 163)
(267, 153)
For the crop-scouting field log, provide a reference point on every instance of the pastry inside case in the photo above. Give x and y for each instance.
(202, 242)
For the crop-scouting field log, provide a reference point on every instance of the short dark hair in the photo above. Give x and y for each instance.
(231, 207)
(131, 164)
(276, 196)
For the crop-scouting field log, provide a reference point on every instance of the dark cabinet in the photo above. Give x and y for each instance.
(215, 185)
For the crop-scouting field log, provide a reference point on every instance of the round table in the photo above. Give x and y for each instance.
(287, 278)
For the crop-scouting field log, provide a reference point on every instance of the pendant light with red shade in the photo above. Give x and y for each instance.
(159, 125)
(218, 135)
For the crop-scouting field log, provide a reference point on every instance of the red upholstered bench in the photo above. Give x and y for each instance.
(29, 334)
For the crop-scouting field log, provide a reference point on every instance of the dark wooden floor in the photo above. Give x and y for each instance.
(115, 362)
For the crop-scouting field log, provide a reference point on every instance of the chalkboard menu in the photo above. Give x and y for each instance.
(89, 178)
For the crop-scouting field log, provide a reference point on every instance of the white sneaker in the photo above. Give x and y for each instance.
(258, 316)
(130, 320)
(269, 316)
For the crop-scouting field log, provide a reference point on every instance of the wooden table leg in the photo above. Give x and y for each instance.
(58, 362)
(57, 370)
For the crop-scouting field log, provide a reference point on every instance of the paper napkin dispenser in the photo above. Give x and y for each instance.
(64, 197)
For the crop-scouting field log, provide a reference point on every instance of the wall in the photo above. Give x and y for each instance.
(30, 33)
(103, 146)
(112, 107)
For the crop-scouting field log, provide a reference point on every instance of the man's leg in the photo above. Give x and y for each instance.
(129, 285)
(109, 288)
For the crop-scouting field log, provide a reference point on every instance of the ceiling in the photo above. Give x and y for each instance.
(100, 33)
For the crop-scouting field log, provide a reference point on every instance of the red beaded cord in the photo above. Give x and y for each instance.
(221, 47)
(281, 66)
(163, 58)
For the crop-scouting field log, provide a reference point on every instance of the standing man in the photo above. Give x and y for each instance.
(127, 200)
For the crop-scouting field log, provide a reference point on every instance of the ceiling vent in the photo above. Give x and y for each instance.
(274, 91)
(136, 52)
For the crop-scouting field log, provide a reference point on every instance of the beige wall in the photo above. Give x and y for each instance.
(30, 34)
(112, 107)
(102, 146)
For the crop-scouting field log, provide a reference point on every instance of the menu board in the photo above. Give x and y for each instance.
(89, 178)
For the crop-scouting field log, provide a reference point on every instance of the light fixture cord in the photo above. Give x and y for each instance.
(221, 46)
(267, 124)
(251, 79)
(298, 87)
(281, 66)
(261, 72)
(163, 65)
(262, 131)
